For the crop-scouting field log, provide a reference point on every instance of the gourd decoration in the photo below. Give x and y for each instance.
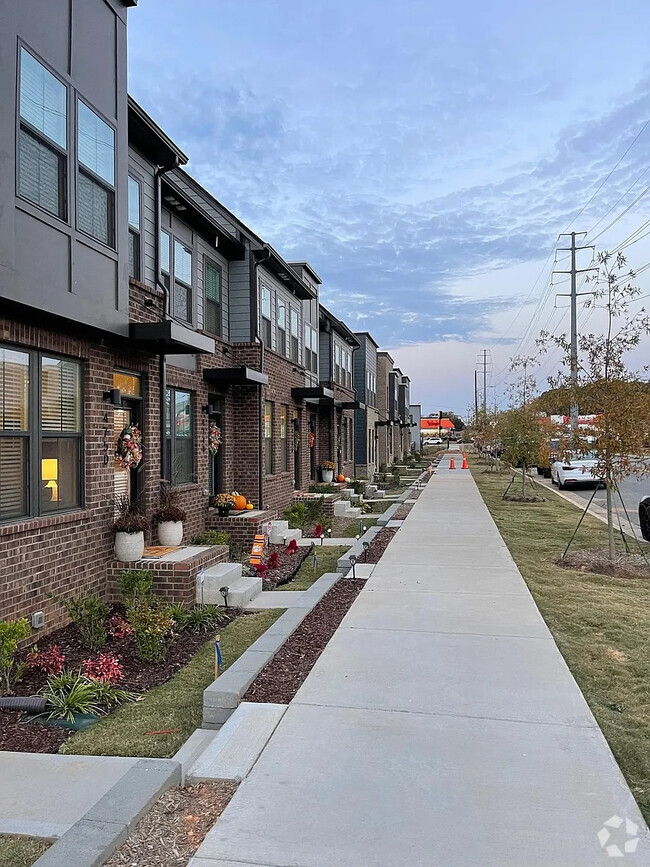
(340, 478)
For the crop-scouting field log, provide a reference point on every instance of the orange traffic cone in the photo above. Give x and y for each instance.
(452, 464)
(464, 464)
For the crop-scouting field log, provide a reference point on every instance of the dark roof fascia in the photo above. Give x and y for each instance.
(341, 327)
(285, 273)
(368, 336)
(167, 153)
(219, 206)
(307, 268)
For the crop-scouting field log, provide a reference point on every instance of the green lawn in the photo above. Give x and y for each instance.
(601, 624)
(16, 851)
(352, 528)
(326, 555)
(177, 704)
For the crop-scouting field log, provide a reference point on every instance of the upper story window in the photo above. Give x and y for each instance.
(311, 348)
(42, 147)
(266, 316)
(342, 366)
(371, 388)
(165, 256)
(295, 336)
(281, 334)
(40, 434)
(96, 176)
(182, 281)
(134, 228)
(212, 283)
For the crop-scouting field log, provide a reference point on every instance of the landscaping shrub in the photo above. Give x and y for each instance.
(71, 692)
(118, 628)
(296, 515)
(324, 489)
(136, 585)
(50, 661)
(211, 537)
(88, 613)
(179, 614)
(358, 486)
(203, 618)
(169, 505)
(11, 633)
(153, 632)
(104, 669)
(314, 509)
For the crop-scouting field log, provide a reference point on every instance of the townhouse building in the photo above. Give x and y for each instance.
(366, 432)
(386, 409)
(404, 412)
(416, 422)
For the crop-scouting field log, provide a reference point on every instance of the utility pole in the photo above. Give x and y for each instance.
(484, 361)
(574, 295)
(525, 380)
(475, 396)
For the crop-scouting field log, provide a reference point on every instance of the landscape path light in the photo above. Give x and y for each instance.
(353, 563)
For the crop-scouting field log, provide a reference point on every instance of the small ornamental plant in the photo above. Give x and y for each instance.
(318, 529)
(292, 547)
(104, 669)
(274, 560)
(224, 501)
(11, 633)
(154, 632)
(50, 661)
(169, 506)
(327, 465)
(117, 628)
(128, 517)
(260, 568)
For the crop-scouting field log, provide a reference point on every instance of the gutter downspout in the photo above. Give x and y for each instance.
(160, 171)
(255, 338)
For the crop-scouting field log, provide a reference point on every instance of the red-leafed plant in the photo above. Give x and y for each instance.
(260, 568)
(104, 669)
(118, 627)
(292, 547)
(318, 529)
(274, 560)
(50, 661)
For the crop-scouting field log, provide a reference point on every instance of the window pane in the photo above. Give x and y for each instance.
(182, 263)
(182, 302)
(282, 315)
(60, 395)
(266, 302)
(182, 467)
(134, 255)
(14, 390)
(294, 323)
(96, 144)
(14, 492)
(134, 203)
(183, 413)
(60, 467)
(212, 282)
(164, 251)
(128, 383)
(40, 174)
(95, 209)
(42, 99)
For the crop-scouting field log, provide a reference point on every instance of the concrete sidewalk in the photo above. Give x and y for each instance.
(440, 726)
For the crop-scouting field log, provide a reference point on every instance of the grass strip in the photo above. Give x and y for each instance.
(326, 557)
(17, 851)
(600, 623)
(352, 528)
(175, 707)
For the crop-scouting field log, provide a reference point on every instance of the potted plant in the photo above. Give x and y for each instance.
(169, 516)
(327, 470)
(224, 503)
(128, 528)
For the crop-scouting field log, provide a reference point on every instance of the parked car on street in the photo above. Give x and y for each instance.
(644, 518)
(575, 471)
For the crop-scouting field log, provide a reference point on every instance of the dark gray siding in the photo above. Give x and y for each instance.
(144, 172)
(240, 300)
(359, 370)
(324, 356)
(45, 262)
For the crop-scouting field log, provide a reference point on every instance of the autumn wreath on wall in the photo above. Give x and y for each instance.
(214, 438)
(128, 449)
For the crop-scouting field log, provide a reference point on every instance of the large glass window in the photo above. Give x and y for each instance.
(165, 256)
(212, 313)
(42, 146)
(134, 228)
(268, 438)
(96, 177)
(311, 348)
(266, 316)
(182, 281)
(282, 328)
(295, 336)
(179, 452)
(40, 434)
(284, 440)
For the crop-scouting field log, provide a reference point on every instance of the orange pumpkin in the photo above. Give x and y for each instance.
(340, 478)
(240, 502)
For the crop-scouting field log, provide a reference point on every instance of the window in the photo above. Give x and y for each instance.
(134, 228)
(96, 176)
(179, 461)
(295, 336)
(268, 438)
(165, 257)
(40, 434)
(284, 440)
(282, 328)
(266, 316)
(338, 373)
(311, 348)
(182, 281)
(42, 143)
(212, 313)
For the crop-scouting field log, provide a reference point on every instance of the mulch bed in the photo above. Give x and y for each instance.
(402, 513)
(288, 565)
(379, 545)
(280, 680)
(622, 566)
(174, 828)
(138, 677)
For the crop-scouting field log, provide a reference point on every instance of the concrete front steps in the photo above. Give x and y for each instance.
(241, 589)
(230, 752)
(342, 509)
(281, 534)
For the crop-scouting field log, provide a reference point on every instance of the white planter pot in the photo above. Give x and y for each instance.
(170, 533)
(327, 475)
(129, 546)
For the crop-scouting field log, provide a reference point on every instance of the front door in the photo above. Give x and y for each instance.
(297, 463)
(215, 467)
(127, 482)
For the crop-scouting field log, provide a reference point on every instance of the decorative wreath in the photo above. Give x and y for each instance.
(128, 450)
(312, 439)
(214, 438)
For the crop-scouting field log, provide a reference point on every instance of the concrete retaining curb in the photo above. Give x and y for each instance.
(93, 839)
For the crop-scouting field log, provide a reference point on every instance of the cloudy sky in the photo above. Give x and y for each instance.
(423, 156)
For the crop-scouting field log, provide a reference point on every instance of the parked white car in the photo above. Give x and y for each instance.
(575, 471)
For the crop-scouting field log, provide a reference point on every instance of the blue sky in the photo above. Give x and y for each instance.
(422, 156)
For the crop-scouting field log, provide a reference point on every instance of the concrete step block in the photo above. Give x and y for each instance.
(235, 748)
(221, 575)
(192, 749)
(379, 493)
(346, 493)
(279, 530)
(353, 513)
(371, 490)
(340, 508)
(242, 591)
